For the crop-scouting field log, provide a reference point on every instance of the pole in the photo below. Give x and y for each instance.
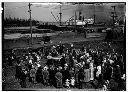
(114, 15)
(94, 14)
(30, 22)
(60, 15)
(75, 20)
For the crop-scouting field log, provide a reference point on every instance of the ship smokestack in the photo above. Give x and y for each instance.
(80, 15)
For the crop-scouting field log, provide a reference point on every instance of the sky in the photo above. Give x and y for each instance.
(42, 11)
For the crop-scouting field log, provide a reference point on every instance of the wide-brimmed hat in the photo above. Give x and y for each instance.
(45, 68)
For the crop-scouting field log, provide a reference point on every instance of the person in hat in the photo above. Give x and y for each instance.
(58, 77)
(67, 83)
(39, 75)
(65, 72)
(23, 79)
(62, 61)
(81, 78)
(71, 72)
(72, 82)
(45, 74)
(18, 70)
(72, 47)
(33, 74)
(91, 71)
(52, 73)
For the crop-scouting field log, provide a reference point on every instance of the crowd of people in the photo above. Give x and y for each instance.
(64, 67)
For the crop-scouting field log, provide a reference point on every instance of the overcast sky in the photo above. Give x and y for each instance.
(42, 11)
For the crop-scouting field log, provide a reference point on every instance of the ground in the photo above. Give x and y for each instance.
(77, 39)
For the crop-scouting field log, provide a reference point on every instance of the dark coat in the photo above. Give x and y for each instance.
(66, 74)
(62, 60)
(72, 73)
(18, 71)
(52, 76)
(108, 73)
(81, 75)
(45, 74)
(39, 76)
(59, 77)
(23, 80)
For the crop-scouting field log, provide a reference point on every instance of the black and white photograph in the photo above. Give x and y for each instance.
(61, 46)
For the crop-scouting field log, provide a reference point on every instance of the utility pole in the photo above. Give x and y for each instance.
(94, 14)
(60, 15)
(75, 20)
(72, 21)
(30, 22)
(114, 16)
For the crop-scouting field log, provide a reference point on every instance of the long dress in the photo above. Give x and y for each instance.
(86, 75)
(18, 71)
(91, 71)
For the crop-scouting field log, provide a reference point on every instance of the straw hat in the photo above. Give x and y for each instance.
(45, 68)
(53, 46)
(66, 64)
(72, 45)
(67, 80)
